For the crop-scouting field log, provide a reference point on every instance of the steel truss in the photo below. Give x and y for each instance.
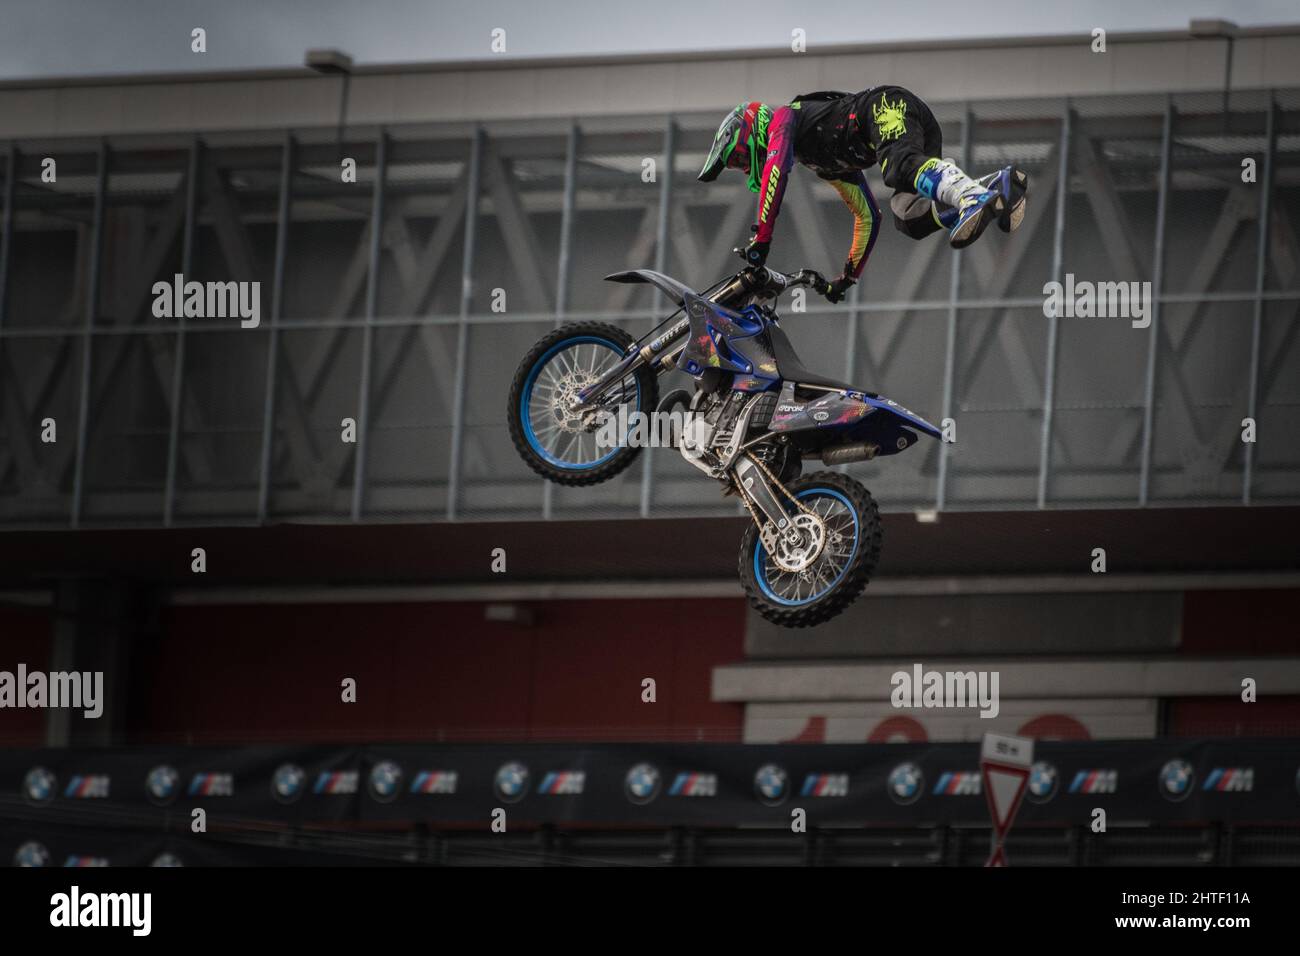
(194, 421)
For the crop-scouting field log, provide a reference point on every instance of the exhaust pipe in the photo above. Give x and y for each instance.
(847, 454)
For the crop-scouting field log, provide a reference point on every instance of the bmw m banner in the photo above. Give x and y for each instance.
(649, 784)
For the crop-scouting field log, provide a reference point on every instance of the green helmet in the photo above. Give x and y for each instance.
(741, 143)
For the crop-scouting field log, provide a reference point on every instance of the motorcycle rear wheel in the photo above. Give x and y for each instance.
(838, 575)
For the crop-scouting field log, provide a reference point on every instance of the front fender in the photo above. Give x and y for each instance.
(669, 286)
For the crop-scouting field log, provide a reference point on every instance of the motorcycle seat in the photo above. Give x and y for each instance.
(792, 370)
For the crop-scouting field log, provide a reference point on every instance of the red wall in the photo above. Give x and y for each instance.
(272, 672)
(26, 634)
(1228, 717)
(1261, 621)
(439, 670)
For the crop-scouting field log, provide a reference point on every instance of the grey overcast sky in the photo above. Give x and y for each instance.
(53, 38)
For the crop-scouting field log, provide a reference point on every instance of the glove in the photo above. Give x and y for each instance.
(838, 287)
(756, 252)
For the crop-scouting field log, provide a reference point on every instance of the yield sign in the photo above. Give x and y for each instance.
(1005, 787)
(1004, 766)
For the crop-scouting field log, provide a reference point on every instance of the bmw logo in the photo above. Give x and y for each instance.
(511, 783)
(162, 785)
(385, 781)
(1042, 782)
(771, 784)
(39, 785)
(642, 783)
(1177, 779)
(286, 783)
(905, 784)
(167, 860)
(32, 854)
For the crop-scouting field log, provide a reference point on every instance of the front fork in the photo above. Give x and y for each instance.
(660, 353)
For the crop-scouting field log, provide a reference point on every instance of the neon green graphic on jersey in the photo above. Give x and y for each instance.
(891, 118)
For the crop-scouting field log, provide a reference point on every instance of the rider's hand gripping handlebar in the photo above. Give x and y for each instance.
(764, 279)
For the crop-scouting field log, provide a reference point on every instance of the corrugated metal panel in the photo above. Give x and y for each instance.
(574, 88)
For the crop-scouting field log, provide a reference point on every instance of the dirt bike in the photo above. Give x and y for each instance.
(756, 416)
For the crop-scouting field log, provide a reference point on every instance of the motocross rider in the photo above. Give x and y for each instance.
(837, 136)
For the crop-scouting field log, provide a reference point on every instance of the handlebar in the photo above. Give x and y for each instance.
(763, 279)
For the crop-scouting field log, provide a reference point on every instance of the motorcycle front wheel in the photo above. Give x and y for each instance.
(552, 436)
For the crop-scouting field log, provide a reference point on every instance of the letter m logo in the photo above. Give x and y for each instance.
(1240, 779)
(837, 785)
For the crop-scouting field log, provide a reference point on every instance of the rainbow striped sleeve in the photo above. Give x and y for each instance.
(855, 192)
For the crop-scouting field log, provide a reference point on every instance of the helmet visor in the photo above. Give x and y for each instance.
(724, 144)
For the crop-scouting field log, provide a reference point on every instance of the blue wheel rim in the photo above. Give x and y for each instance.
(760, 554)
(525, 400)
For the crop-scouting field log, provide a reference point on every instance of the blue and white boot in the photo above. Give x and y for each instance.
(975, 210)
(1011, 183)
(973, 205)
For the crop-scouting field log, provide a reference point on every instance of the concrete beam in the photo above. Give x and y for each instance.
(1064, 678)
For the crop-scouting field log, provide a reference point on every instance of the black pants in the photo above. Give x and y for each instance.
(902, 132)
